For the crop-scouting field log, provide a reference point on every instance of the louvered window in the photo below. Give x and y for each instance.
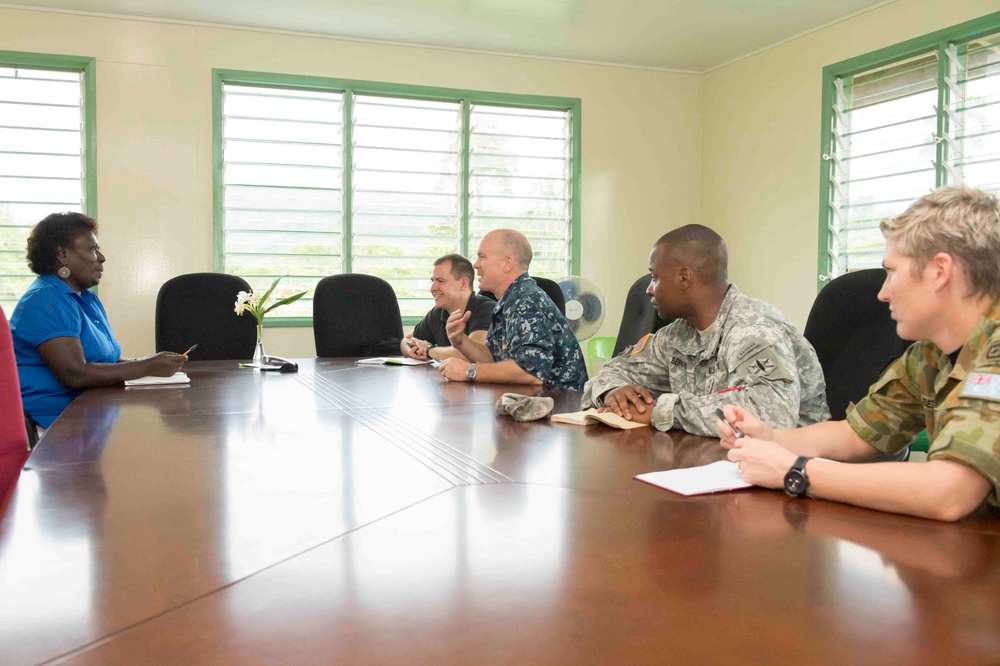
(282, 187)
(519, 178)
(322, 177)
(406, 203)
(899, 128)
(973, 109)
(43, 154)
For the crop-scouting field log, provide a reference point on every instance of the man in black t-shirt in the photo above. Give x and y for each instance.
(451, 287)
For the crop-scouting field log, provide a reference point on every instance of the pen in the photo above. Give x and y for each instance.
(722, 417)
(193, 347)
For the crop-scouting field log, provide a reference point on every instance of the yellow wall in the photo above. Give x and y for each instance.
(641, 144)
(736, 149)
(761, 149)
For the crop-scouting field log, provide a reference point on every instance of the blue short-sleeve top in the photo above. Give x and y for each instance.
(51, 309)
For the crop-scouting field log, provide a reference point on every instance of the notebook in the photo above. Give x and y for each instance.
(592, 416)
(176, 378)
(716, 477)
(391, 360)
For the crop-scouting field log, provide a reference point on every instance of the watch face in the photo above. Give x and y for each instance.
(795, 483)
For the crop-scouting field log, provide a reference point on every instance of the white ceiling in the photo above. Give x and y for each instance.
(684, 35)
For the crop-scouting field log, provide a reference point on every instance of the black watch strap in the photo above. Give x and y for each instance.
(796, 480)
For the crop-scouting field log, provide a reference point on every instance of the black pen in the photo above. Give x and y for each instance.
(193, 347)
(722, 417)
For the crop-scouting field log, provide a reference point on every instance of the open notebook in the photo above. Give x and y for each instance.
(176, 378)
(592, 416)
(713, 478)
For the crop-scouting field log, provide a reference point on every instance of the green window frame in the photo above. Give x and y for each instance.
(944, 49)
(19, 164)
(352, 90)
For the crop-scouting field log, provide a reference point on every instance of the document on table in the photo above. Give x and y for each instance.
(391, 360)
(176, 378)
(592, 416)
(713, 478)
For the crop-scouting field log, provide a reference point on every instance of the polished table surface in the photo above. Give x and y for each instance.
(371, 515)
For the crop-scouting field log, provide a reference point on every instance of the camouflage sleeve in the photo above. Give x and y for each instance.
(761, 377)
(890, 416)
(969, 427)
(645, 363)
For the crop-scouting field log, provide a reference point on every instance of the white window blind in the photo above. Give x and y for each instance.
(898, 131)
(973, 110)
(374, 180)
(519, 178)
(884, 124)
(406, 202)
(282, 197)
(41, 162)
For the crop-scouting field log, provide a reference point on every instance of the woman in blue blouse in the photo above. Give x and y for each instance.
(62, 339)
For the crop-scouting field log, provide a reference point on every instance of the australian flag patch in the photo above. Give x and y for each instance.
(982, 385)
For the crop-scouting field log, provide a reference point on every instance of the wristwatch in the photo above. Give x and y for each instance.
(471, 372)
(796, 480)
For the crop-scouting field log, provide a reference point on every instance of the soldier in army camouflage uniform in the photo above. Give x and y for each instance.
(942, 259)
(529, 341)
(725, 348)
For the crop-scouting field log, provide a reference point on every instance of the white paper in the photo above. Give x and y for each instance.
(390, 360)
(149, 380)
(715, 477)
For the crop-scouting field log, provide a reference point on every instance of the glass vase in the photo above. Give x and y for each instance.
(258, 350)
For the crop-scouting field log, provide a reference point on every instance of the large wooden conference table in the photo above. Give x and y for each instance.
(375, 515)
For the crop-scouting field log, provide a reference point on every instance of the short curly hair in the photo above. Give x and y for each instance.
(55, 231)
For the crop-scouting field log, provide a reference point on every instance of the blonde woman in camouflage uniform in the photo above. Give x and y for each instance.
(724, 348)
(943, 261)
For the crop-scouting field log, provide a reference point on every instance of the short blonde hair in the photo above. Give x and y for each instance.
(957, 220)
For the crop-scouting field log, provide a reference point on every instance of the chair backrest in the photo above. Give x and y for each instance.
(352, 313)
(13, 436)
(854, 336)
(550, 287)
(198, 308)
(639, 317)
(600, 350)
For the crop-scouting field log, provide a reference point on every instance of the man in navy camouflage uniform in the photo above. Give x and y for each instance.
(942, 259)
(529, 341)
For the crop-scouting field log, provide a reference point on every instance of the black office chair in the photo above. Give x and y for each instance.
(550, 287)
(639, 317)
(354, 315)
(854, 337)
(198, 308)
